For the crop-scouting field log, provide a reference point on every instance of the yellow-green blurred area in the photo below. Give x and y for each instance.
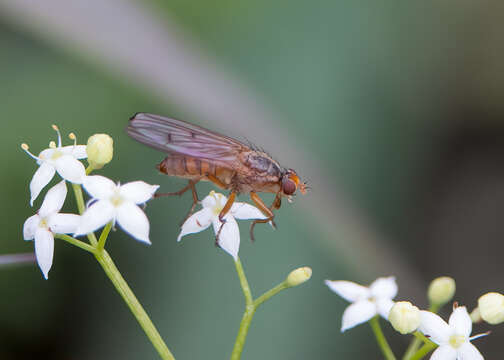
(392, 111)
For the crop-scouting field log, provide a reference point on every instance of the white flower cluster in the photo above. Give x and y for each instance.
(109, 202)
(453, 339)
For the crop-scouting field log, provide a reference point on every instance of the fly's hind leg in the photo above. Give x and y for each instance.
(190, 185)
(265, 210)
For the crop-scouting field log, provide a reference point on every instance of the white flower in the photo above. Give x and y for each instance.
(229, 238)
(111, 202)
(48, 222)
(366, 301)
(61, 159)
(453, 338)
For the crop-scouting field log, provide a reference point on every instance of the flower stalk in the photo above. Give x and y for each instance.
(134, 305)
(251, 306)
(380, 339)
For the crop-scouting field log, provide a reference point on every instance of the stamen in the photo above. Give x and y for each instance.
(55, 128)
(455, 305)
(72, 136)
(25, 147)
(479, 335)
(52, 145)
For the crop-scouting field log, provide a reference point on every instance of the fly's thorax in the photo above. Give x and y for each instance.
(263, 164)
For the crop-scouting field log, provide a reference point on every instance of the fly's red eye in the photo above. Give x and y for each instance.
(288, 186)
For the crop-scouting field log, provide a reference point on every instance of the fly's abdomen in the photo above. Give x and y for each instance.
(188, 167)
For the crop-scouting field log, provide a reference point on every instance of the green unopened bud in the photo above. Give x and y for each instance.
(441, 290)
(491, 306)
(299, 276)
(404, 317)
(100, 149)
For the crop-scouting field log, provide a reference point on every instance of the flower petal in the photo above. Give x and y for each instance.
(444, 352)
(357, 313)
(54, 199)
(213, 199)
(468, 351)
(384, 287)
(244, 211)
(434, 327)
(95, 216)
(197, 222)
(70, 169)
(229, 237)
(30, 227)
(44, 250)
(134, 221)
(77, 151)
(40, 179)
(99, 186)
(138, 191)
(64, 223)
(348, 290)
(383, 307)
(460, 321)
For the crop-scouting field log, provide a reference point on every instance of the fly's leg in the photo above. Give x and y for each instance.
(190, 185)
(224, 211)
(265, 210)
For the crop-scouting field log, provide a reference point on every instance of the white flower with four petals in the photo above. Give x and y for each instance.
(61, 159)
(117, 203)
(47, 222)
(453, 338)
(229, 237)
(367, 302)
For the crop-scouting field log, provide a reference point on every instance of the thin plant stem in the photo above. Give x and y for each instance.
(380, 338)
(242, 332)
(104, 235)
(251, 306)
(424, 350)
(243, 282)
(268, 294)
(74, 241)
(417, 341)
(130, 299)
(80, 205)
(412, 348)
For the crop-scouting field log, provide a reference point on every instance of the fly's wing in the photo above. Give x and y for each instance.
(179, 137)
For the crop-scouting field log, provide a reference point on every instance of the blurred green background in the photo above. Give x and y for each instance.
(391, 110)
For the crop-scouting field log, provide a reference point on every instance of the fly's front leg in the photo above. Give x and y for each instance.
(222, 214)
(190, 185)
(264, 209)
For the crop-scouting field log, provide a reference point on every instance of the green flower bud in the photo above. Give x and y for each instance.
(491, 306)
(299, 276)
(441, 290)
(404, 317)
(100, 149)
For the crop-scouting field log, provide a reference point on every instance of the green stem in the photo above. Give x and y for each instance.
(75, 242)
(250, 309)
(380, 338)
(417, 341)
(242, 332)
(136, 308)
(104, 235)
(243, 282)
(79, 198)
(424, 350)
(251, 306)
(80, 205)
(270, 293)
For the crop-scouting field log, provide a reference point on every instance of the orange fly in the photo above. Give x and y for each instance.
(198, 154)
